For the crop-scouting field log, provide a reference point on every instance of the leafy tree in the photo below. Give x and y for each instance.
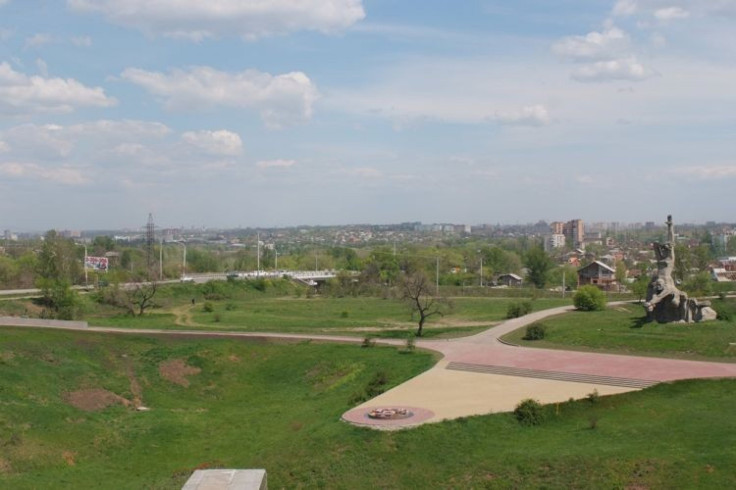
(57, 267)
(620, 274)
(701, 284)
(416, 290)
(639, 287)
(589, 298)
(538, 263)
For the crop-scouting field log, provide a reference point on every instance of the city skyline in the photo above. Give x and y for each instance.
(330, 112)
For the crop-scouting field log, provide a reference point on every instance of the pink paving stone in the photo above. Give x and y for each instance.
(359, 416)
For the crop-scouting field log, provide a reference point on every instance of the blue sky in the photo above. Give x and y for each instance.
(269, 113)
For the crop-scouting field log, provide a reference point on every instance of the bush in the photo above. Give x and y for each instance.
(518, 309)
(724, 309)
(589, 298)
(368, 342)
(208, 307)
(535, 331)
(529, 412)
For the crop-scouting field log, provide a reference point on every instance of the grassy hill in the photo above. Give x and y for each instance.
(68, 420)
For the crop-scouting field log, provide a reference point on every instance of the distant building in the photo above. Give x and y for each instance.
(510, 280)
(554, 241)
(574, 231)
(597, 274)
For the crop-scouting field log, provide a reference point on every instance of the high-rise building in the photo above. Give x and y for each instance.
(574, 232)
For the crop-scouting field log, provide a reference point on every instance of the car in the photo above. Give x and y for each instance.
(186, 279)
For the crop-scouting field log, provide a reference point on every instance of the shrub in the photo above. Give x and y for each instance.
(217, 318)
(593, 396)
(529, 412)
(724, 310)
(208, 307)
(589, 298)
(368, 342)
(518, 309)
(344, 314)
(535, 331)
(410, 344)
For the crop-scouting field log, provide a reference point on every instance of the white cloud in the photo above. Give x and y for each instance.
(624, 7)
(82, 41)
(51, 141)
(220, 142)
(708, 172)
(593, 46)
(249, 19)
(665, 10)
(66, 175)
(43, 68)
(536, 115)
(281, 100)
(20, 94)
(38, 40)
(671, 13)
(276, 163)
(621, 69)
(4, 147)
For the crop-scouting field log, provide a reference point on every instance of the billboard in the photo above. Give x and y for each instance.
(96, 263)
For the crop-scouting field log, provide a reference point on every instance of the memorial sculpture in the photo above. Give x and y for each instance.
(665, 303)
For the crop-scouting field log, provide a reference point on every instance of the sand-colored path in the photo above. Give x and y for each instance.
(466, 381)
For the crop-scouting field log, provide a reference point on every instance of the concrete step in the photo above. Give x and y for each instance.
(553, 375)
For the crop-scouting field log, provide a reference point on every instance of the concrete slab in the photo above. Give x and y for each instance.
(227, 480)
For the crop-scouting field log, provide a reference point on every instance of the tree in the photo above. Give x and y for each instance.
(621, 274)
(639, 287)
(416, 291)
(140, 297)
(57, 268)
(589, 298)
(538, 264)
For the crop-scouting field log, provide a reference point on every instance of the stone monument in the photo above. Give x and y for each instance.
(665, 303)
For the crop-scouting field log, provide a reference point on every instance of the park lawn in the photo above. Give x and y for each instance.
(359, 316)
(320, 314)
(277, 406)
(621, 329)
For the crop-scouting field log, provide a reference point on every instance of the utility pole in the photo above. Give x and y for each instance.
(437, 278)
(86, 283)
(161, 260)
(481, 271)
(258, 253)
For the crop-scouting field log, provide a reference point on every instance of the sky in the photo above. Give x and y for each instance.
(270, 113)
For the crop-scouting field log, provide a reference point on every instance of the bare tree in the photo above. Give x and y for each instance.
(416, 290)
(140, 297)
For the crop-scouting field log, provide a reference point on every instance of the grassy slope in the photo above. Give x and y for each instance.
(620, 329)
(277, 406)
(264, 313)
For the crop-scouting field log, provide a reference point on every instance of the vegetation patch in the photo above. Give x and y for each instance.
(623, 329)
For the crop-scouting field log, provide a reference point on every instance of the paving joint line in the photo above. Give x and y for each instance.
(552, 375)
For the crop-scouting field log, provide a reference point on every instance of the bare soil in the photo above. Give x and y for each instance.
(95, 399)
(176, 371)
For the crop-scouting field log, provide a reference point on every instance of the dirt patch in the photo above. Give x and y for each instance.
(4, 466)
(176, 371)
(233, 358)
(94, 399)
(69, 457)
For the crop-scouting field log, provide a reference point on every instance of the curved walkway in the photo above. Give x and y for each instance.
(479, 374)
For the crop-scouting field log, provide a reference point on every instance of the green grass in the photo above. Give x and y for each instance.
(621, 329)
(277, 406)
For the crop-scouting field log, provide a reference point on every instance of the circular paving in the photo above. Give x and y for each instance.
(387, 417)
